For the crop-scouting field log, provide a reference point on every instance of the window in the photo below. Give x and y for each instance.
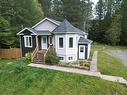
(61, 58)
(81, 49)
(70, 42)
(60, 42)
(70, 58)
(28, 41)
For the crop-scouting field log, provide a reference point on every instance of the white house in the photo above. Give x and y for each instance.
(69, 42)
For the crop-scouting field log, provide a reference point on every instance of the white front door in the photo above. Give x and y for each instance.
(81, 51)
(44, 42)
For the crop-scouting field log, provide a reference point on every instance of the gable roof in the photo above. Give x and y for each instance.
(67, 27)
(83, 40)
(51, 20)
(29, 29)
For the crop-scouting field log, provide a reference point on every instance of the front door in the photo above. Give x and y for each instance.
(44, 42)
(81, 51)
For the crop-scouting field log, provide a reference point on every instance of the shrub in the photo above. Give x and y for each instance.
(81, 63)
(87, 65)
(28, 58)
(51, 57)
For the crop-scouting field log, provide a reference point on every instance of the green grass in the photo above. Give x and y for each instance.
(108, 64)
(17, 79)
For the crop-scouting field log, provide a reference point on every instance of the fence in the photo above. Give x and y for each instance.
(10, 53)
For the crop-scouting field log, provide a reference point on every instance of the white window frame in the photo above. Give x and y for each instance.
(25, 37)
(59, 42)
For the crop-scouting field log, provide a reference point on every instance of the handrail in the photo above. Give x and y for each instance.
(47, 52)
(34, 53)
(35, 50)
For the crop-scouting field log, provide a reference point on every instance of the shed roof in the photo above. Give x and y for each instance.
(83, 40)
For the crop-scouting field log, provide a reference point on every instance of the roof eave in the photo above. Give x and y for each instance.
(19, 33)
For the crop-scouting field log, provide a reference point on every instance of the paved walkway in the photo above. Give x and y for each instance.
(81, 71)
(93, 65)
(65, 69)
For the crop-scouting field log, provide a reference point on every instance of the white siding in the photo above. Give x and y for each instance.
(89, 48)
(67, 52)
(46, 25)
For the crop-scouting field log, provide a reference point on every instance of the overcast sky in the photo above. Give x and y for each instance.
(94, 1)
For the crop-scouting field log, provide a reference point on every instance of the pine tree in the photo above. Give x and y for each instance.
(112, 35)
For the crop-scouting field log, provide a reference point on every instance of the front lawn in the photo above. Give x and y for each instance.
(17, 79)
(108, 64)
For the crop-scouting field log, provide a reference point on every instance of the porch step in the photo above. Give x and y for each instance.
(39, 58)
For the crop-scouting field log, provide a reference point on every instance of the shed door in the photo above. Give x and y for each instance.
(81, 51)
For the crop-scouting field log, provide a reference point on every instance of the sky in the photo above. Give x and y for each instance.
(94, 1)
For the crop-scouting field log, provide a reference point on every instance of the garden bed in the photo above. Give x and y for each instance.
(85, 65)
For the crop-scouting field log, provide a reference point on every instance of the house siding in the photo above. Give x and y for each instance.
(46, 25)
(27, 49)
(67, 52)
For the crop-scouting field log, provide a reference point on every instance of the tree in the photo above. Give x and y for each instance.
(46, 6)
(5, 33)
(19, 14)
(112, 35)
(57, 10)
(86, 11)
(106, 10)
(72, 11)
(124, 23)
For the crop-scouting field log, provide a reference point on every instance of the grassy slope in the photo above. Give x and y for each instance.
(34, 81)
(108, 64)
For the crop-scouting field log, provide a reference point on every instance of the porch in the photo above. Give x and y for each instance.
(43, 44)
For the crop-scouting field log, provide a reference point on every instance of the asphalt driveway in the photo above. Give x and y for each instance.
(119, 54)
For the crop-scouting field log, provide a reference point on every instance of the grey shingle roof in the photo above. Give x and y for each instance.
(63, 27)
(82, 40)
(66, 27)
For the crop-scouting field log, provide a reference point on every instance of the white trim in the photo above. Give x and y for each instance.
(25, 29)
(43, 21)
(20, 46)
(28, 41)
(42, 44)
(58, 42)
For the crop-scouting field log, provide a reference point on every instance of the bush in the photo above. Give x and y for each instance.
(81, 63)
(51, 57)
(28, 58)
(87, 65)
